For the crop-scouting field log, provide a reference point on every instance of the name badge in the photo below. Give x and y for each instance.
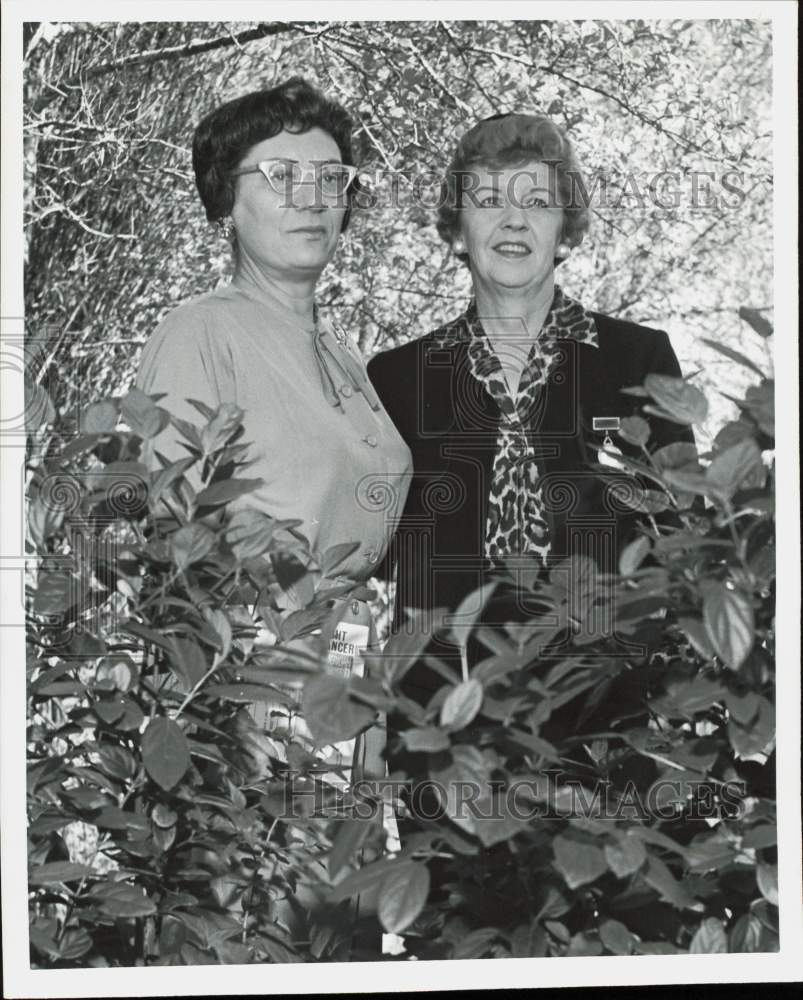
(606, 455)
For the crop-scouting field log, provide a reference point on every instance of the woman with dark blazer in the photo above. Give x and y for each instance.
(507, 407)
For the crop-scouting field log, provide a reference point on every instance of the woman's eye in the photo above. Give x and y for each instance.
(490, 201)
(533, 201)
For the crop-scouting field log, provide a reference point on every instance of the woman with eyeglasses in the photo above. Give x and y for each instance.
(510, 408)
(274, 170)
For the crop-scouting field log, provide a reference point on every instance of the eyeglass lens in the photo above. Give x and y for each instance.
(330, 178)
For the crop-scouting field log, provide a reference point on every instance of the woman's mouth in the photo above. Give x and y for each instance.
(512, 250)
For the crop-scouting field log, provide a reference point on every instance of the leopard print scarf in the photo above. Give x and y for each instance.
(516, 523)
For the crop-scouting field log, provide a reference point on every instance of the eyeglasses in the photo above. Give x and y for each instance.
(331, 179)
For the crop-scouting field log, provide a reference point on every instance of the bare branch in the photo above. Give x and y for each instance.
(185, 51)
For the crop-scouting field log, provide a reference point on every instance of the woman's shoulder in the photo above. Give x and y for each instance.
(193, 329)
(198, 318)
(625, 331)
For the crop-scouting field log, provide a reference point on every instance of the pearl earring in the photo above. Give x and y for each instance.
(562, 250)
(458, 246)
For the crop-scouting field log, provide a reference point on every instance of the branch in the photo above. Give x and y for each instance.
(687, 144)
(187, 50)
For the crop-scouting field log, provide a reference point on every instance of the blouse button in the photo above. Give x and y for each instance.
(370, 440)
(345, 390)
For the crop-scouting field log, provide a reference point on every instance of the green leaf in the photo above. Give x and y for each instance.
(428, 739)
(120, 669)
(402, 897)
(56, 591)
(225, 492)
(729, 623)
(165, 752)
(475, 944)
(142, 415)
(578, 860)
(461, 705)
(677, 455)
(758, 736)
(369, 876)
(404, 647)
(709, 938)
(54, 872)
(695, 632)
(660, 878)
(635, 430)
(163, 816)
(223, 631)
(351, 835)
(759, 837)
(117, 899)
(633, 555)
(249, 533)
(74, 942)
(681, 402)
(43, 522)
(616, 937)
(222, 423)
(464, 779)
(737, 466)
(760, 403)
(187, 661)
(767, 878)
(468, 611)
(113, 818)
(625, 856)
(117, 761)
(743, 707)
(100, 417)
(336, 555)
(685, 698)
(190, 544)
(247, 693)
(734, 355)
(746, 934)
(330, 712)
(754, 318)
(164, 479)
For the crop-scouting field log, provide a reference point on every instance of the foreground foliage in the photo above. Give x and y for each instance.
(620, 777)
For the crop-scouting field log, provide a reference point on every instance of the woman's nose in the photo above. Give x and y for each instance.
(306, 195)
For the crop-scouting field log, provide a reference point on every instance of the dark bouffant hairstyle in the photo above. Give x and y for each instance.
(226, 134)
(511, 140)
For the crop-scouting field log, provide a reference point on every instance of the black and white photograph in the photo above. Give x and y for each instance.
(398, 563)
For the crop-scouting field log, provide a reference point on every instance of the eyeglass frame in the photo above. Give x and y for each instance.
(257, 169)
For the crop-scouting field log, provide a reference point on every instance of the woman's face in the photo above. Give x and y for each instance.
(292, 232)
(511, 223)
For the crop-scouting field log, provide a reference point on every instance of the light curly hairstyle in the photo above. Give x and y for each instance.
(511, 140)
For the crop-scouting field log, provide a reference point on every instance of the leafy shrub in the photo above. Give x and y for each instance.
(605, 790)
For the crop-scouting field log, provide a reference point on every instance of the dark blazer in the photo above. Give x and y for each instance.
(450, 424)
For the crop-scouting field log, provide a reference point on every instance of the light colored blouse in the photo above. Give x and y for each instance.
(321, 441)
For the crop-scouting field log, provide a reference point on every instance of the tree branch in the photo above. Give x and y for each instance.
(187, 50)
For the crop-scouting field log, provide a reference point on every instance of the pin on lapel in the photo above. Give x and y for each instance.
(340, 334)
(606, 454)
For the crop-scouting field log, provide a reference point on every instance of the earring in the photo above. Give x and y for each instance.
(226, 229)
(562, 250)
(458, 246)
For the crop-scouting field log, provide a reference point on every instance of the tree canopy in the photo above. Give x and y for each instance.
(670, 118)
